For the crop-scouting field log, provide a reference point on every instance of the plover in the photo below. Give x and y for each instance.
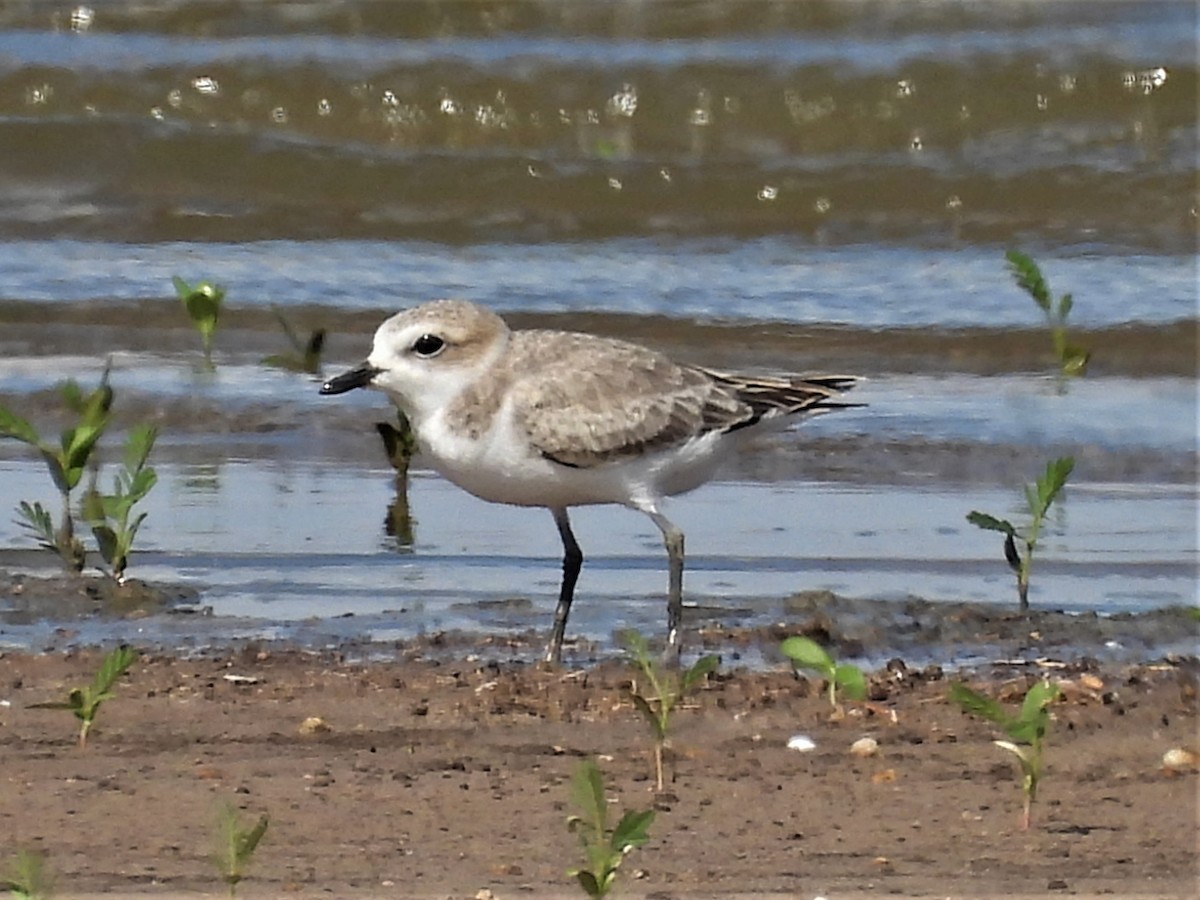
(561, 419)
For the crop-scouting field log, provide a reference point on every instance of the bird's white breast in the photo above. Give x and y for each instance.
(500, 466)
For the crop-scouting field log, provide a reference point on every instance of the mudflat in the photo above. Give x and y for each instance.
(445, 772)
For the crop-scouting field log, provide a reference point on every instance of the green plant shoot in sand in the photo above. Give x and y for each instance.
(805, 653)
(27, 877)
(1072, 360)
(1027, 731)
(1039, 497)
(67, 460)
(666, 690)
(109, 514)
(235, 845)
(604, 848)
(202, 301)
(85, 702)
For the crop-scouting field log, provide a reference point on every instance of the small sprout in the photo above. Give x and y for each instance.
(1072, 360)
(1027, 730)
(805, 653)
(85, 702)
(202, 301)
(667, 691)
(67, 460)
(305, 356)
(108, 514)
(27, 877)
(603, 849)
(399, 442)
(1039, 497)
(235, 845)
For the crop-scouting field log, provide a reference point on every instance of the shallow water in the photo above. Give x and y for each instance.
(752, 185)
(770, 279)
(273, 548)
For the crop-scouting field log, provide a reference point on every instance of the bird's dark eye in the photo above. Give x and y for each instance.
(428, 345)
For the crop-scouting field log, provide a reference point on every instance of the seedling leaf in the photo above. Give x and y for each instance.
(1053, 480)
(587, 792)
(138, 446)
(1011, 556)
(13, 426)
(700, 670)
(248, 842)
(1029, 278)
(643, 706)
(106, 539)
(1019, 752)
(72, 395)
(37, 520)
(978, 704)
(28, 877)
(588, 882)
(632, 830)
(1065, 304)
(1075, 360)
(115, 664)
(851, 680)
(806, 653)
(990, 523)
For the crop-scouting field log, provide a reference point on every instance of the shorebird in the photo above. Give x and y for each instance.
(561, 419)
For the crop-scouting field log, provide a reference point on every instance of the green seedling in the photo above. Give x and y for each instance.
(202, 301)
(1027, 731)
(27, 877)
(666, 691)
(1072, 360)
(305, 356)
(67, 461)
(108, 514)
(604, 849)
(235, 845)
(85, 702)
(1039, 497)
(399, 442)
(805, 653)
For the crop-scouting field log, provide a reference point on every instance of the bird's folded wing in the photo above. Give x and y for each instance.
(638, 401)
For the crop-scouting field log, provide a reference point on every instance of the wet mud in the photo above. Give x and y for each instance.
(252, 332)
(872, 631)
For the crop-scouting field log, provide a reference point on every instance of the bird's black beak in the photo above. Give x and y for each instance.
(348, 381)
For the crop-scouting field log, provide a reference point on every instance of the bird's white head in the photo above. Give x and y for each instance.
(425, 356)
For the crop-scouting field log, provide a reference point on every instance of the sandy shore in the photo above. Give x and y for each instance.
(449, 778)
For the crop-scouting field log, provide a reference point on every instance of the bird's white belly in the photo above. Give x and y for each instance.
(501, 467)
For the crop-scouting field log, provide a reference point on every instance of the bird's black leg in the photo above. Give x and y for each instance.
(572, 563)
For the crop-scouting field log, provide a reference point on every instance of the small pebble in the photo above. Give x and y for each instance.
(801, 742)
(864, 747)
